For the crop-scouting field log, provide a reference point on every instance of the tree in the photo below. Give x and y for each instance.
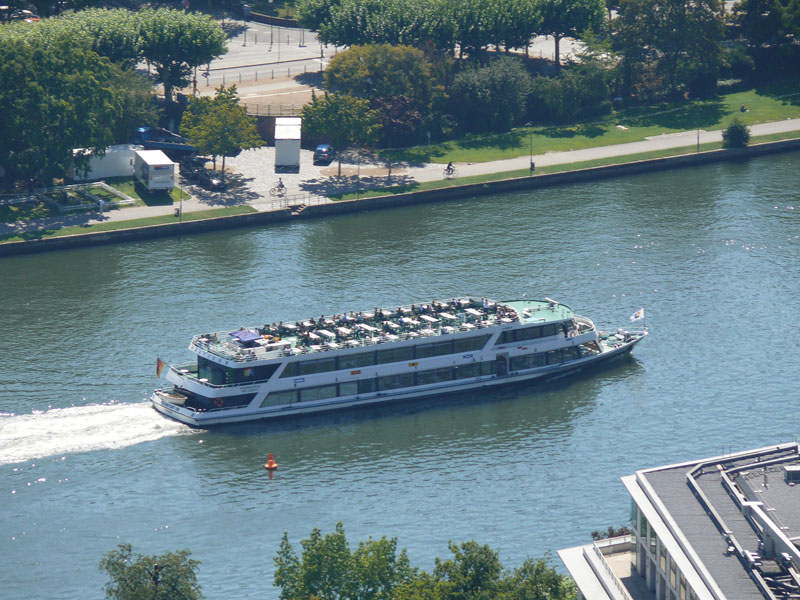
(111, 33)
(345, 120)
(134, 576)
(490, 98)
(680, 39)
(568, 18)
(175, 42)
(380, 71)
(56, 95)
(328, 569)
(736, 135)
(220, 126)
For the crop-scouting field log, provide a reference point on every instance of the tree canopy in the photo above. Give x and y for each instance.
(135, 576)
(220, 126)
(345, 120)
(327, 569)
(174, 42)
(56, 95)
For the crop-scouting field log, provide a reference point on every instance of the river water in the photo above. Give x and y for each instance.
(712, 254)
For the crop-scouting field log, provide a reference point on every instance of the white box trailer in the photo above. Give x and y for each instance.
(154, 170)
(287, 143)
(116, 162)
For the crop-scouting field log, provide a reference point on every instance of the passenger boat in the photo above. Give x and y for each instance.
(358, 359)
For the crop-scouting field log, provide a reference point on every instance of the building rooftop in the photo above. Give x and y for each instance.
(740, 515)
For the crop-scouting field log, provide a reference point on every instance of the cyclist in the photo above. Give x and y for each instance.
(280, 186)
(450, 169)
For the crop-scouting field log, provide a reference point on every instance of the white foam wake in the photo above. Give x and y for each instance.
(81, 429)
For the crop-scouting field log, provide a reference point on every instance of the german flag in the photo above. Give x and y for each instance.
(160, 364)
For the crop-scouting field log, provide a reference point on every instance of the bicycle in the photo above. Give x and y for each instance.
(450, 173)
(278, 190)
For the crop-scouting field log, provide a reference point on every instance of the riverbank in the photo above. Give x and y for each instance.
(140, 229)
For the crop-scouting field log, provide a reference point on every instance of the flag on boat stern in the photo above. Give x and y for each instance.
(638, 315)
(159, 366)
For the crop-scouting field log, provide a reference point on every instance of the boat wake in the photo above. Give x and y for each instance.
(81, 429)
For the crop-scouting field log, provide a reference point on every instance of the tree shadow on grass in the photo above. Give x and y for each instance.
(785, 90)
(686, 115)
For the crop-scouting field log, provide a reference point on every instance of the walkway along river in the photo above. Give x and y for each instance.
(710, 252)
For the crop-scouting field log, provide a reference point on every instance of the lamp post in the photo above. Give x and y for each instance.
(530, 135)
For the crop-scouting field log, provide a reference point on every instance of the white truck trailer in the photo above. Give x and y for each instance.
(154, 170)
(287, 143)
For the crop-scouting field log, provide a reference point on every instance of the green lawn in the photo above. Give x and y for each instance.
(127, 185)
(444, 183)
(115, 225)
(771, 102)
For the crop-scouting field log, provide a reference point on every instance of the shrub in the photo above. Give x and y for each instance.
(736, 135)
(490, 98)
(580, 91)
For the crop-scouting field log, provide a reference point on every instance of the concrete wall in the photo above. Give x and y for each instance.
(421, 197)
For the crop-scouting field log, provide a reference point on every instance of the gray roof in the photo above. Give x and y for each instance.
(702, 524)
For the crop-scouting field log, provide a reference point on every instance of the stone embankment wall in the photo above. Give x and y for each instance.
(375, 203)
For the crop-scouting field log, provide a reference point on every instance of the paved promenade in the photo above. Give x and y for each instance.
(252, 176)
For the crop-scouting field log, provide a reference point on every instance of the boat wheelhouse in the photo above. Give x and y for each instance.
(356, 359)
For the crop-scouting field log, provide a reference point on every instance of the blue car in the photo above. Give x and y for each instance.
(324, 154)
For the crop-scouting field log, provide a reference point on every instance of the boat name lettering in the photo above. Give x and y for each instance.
(356, 372)
(300, 380)
(466, 356)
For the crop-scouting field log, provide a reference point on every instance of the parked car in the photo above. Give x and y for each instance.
(24, 15)
(211, 180)
(191, 166)
(324, 154)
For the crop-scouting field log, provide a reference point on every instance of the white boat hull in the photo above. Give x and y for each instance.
(238, 415)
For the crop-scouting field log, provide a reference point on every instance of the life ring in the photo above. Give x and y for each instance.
(219, 402)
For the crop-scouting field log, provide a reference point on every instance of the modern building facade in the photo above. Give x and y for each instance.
(719, 528)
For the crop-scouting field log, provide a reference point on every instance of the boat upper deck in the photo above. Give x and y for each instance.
(379, 326)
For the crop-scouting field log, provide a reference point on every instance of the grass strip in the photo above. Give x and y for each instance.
(774, 101)
(131, 224)
(562, 168)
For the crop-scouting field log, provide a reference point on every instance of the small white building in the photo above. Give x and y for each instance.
(116, 162)
(287, 143)
(726, 527)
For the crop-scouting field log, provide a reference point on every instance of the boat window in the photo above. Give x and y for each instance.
(214, 372)
(434, 376)
(390, 382)
(258, 373)
(352, 361)
(395, 355)
(290, 370)
(437, 349)
(548, 330)
(488, 367)
(571, 353)
(470, 343)
(278, 398)
(464, 371)
(366, 385)
(320, 392)
(320, 365)
(348, 389)
(555, 356)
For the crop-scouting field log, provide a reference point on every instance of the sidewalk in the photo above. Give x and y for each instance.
(254, 176)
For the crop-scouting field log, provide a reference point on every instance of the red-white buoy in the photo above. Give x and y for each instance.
(271, 464)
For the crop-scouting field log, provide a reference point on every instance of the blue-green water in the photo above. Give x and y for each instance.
(711, 253)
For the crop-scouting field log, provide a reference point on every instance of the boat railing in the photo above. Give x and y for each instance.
(584, 325)
(231, 351)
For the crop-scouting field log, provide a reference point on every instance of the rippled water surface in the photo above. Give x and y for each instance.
(712, 254)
